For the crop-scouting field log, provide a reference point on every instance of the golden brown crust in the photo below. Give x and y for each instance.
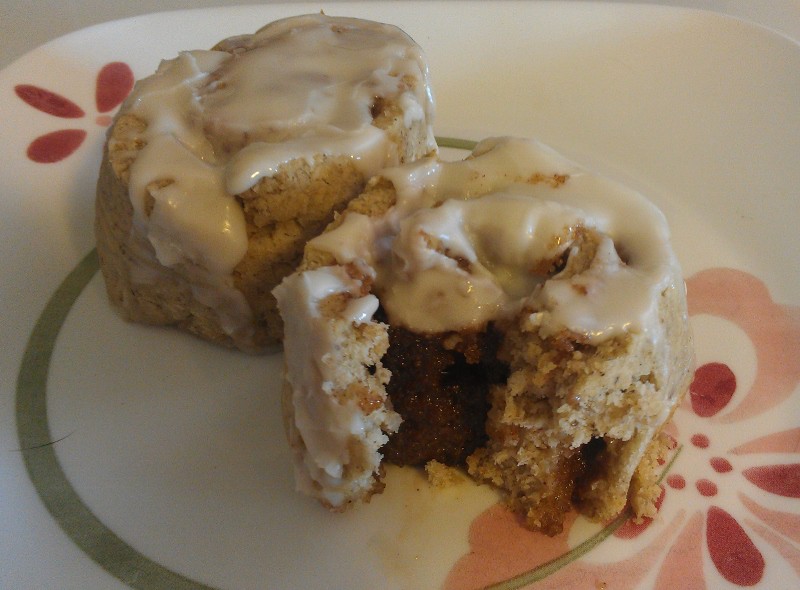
(580, 424)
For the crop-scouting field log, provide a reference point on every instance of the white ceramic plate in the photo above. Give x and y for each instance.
(142, 457)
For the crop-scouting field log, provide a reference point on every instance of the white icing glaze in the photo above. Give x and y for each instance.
(316, 73)
(458, 249)
(192, 218)
(328, 426)
(218, 122)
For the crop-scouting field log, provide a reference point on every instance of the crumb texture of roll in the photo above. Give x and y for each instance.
(511, 314)
(222, 164)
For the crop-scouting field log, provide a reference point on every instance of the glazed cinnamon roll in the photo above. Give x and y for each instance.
(222, 164)
(511, 314)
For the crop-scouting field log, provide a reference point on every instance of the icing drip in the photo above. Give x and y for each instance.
(466, 241)
(217, 122)
(328, 426)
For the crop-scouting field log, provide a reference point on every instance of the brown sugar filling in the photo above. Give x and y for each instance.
(440, 385)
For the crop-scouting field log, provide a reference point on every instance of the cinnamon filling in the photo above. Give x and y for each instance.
(440, 386)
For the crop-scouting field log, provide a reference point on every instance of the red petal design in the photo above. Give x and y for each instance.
(733, 553)
(48, 102)
(712, 388)
(706, 487)
(683, 565)
(784, 522)
(773, 329)
(114, 83)
(55, 146)
(787, 551)
(721, 465)
(787, 441)
(499, 549)
(783, 480)
(675, 481)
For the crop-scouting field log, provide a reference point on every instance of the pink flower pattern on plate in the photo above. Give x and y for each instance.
(114, 82)
(717, 518)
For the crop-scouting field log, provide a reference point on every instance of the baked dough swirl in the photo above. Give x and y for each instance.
(570, 274)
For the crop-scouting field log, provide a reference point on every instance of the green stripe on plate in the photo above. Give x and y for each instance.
(99, 542)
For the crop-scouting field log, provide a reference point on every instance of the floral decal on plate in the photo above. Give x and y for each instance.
(718, 521)
(114, 82)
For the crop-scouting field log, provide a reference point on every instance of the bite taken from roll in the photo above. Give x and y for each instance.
(223, 163)
(510, 314)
